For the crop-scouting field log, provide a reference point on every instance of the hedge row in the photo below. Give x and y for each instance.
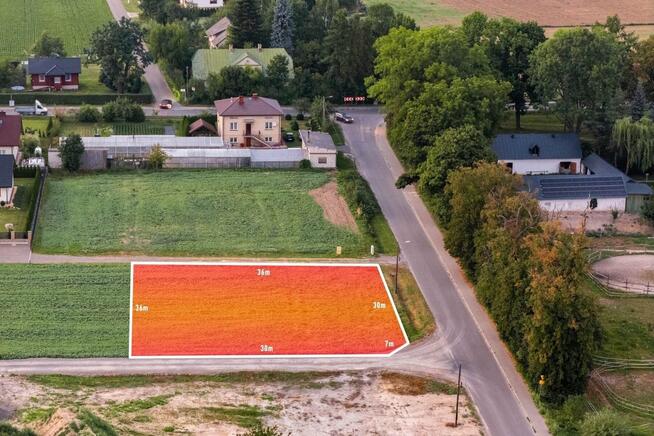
(359, 196)
(71, 99)
(25, 172)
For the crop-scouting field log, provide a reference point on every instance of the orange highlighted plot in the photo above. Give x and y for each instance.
(261, 309)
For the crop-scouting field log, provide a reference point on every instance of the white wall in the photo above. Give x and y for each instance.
(603, 204)
(539, 166)
(5, 195)
(315, 159)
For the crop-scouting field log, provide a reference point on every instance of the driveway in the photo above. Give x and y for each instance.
(504, 402)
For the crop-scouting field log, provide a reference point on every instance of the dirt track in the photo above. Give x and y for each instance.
(561, 12)
(637, 268)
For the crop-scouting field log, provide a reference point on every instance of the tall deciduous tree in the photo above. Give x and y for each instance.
(119, 49)
(246, 28)
(48, 45)
(277, 75)
(564, 329)
(282, 26)
(582, 70)
(71, 151)
(643, 59)
(175, 43)
(233, 81)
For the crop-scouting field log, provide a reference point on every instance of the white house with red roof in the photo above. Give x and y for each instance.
(249, 121)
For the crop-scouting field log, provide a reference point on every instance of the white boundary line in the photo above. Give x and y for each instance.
(259, 356)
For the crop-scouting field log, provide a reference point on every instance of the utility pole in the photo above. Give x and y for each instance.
(458, 391)
(397, 267)
(186, 89)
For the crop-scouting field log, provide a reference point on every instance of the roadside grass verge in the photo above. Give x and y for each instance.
(406, 384)
(191, 213)
(411, 305)
(64, 310)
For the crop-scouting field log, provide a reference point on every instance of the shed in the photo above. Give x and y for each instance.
(319, 148)
(202, 128)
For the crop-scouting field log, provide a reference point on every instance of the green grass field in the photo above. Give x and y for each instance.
(210, 212)
(63, 310)
(19, 215)
(23, 21)
(425, 12)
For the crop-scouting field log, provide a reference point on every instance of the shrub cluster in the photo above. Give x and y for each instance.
(123, 109)
(89, 114)
(359, 196)
(73, 99)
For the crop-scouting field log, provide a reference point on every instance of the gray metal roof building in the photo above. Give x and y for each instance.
(521, 146)
(571, 187)
(595, 165)
(54, 66)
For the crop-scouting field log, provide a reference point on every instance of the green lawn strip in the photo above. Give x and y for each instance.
(425, 12)
(627, 324)
(99, 426)
(539, 122)
(74, 383)
(336, 132)
(206, 212)
(243, 415)
(19, 216)
(36, 415)
(137, 405)
(416, 317)
(23, 21)
(64, 310)
(131, 5)
(286, 127)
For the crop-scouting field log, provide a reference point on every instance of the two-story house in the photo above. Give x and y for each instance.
(249, 121)
(11, 126)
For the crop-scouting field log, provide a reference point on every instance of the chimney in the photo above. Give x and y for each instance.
(240, 99)
(231, 48)
(259, 47)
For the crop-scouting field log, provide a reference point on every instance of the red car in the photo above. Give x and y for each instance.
(166, 103)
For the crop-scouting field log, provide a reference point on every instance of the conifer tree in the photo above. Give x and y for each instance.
(246, 24)
(282, 27)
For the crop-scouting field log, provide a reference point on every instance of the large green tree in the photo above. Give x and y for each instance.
(119, 49)
(233, 81)
(247, 24)
(175, 43)
(643, 59)
(49, 45)
(581, 70)
(564, 330)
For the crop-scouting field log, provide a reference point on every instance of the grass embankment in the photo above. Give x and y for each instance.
(23, 22)
(73, 310)
(411, 305)
(194, 213)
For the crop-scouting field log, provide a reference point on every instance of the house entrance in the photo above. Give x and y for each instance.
(248, 134)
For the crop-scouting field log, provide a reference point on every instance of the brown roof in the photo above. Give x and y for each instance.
(221, 26)
(201, 124)
(10, 128)
(248, 106)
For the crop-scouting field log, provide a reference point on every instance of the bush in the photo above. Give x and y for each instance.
(25, 172)
(295, 125)
(288, 117)
(359, 196)
(299, 116)
(28, 143)
(157, 157)
(123, 109)
(606, 422)
(134, 113)
(110, 112)
(305, 164)
(648, 211)
(405, 180)
(71, 152)
(88, 114)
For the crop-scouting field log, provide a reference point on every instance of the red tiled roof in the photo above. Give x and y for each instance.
(201, 124)
(10, 129)
(248, 106)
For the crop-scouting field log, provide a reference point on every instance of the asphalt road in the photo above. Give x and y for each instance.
(489, 373)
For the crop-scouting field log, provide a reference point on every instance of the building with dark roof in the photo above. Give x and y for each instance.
(11, 127)
(6, 179)
(539, 153)
(217, 34)
(249, 121)
(54, 72)
(319, 149)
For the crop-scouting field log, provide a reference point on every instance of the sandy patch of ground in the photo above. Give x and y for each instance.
(340, 404)
(600, 221)
(334, 207)
(561, 12)
(635, 268)
(14, 394)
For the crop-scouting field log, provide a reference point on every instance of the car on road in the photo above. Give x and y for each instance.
(289, 136)
(166, 103)
(343, 117)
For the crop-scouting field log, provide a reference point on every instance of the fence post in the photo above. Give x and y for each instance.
(626, 284)
(12, 235)
(29, 235)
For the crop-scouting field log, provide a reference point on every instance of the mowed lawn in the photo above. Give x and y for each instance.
(190, 213)
(23, 21)
(64, 310)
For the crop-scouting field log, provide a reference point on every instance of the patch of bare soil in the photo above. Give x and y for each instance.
(561, 12)
(601, 221)
(57, 423)
(15, 394)
(635, 268)
(341, 404)
(334, 207)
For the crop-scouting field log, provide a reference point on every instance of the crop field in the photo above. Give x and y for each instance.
(262, 310)
(63, 310)
(23, 21)
(205, 212)
(553, 13)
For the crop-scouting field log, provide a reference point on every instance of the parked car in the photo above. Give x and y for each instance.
(289, 136)
(166, 103)
(343, 117)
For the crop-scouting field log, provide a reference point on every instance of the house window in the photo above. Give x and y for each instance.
(233, 140)
(213, 2)
(269, 124)
(67, 77)
(322, 160)
(41, 77)
(233, 125)
(268, 139)
(57, 79)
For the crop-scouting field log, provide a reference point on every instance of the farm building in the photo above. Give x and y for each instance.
(208, 61)
(249, 121)
(11, 126)
(202, 4)
(557, 175)
(217, 34)
(54, 72)
(319, 149)
(6, 179)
